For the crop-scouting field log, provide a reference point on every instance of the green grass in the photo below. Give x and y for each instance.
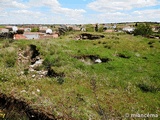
(122, 85)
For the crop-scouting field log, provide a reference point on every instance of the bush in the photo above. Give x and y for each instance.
(35, 29)
(100, 29)
(143, 29)
(89, 28)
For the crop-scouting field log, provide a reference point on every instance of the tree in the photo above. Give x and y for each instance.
(96, 28)
(143, 29)
(136, 24)
(89, 28)
(35, 29)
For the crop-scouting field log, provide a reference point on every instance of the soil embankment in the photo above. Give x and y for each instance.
(13, 108)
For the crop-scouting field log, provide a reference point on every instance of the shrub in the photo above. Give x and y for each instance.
(35, 29)
(100, 29)
(90, 28)
(143, 29)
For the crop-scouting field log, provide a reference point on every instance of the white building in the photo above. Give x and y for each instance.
(32, 35)
(4, 30)
(27, 29)
(128, 29)
(49, 31)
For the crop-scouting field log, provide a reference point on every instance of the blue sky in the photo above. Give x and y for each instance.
(78, 11)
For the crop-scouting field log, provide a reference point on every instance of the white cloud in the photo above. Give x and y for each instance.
(49, 3)
(117, 5)
(147, 15)
(26, 12)
(32, 12)
(12, 4)
(56, 8)
(126, 10)
(21, 17)
(51, 11)
(141, 16)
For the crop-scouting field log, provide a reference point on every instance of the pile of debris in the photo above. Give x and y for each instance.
(33, 64)
(31, 57)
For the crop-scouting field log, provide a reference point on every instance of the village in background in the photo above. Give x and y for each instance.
(39, 31)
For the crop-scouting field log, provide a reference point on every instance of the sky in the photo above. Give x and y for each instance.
(78, 11)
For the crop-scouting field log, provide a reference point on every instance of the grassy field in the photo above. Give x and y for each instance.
(128, 83)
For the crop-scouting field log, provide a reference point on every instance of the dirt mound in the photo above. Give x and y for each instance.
(93, 59)
(89, 36)
(10, 104)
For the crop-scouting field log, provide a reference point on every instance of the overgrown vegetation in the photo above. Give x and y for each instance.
(143, 29)
(35, 29)
(75, 89)
(90, 28)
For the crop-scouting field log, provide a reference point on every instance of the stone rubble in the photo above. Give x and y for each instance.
(26, 59)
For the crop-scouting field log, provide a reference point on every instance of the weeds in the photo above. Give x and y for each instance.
(10, 61)
(49, 61)
(94, 88)
(60, 80)
(3, 78)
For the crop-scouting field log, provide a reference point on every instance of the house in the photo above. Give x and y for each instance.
(4, 30)
(43, 29)
(49, 31)
(27, 29)
(74, 27)
(9, 28)
(49, 36)
(155, 28)
(32, 35)
(109, 26)
(128, 29)
(12, 28)
(20, 30)
(19, 36)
